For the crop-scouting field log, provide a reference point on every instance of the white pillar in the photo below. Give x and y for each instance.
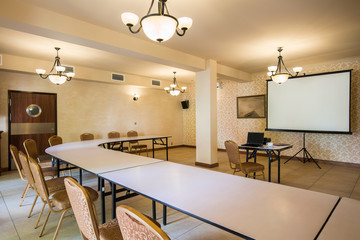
(206, 116)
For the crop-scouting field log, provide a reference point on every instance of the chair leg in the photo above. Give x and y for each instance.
(42, 210)
(46, 220)
(24, 193)
(59, 224)
(33, 205)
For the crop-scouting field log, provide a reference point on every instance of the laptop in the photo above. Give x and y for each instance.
(254, 139)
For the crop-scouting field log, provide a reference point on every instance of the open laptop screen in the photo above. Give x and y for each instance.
(255, 138)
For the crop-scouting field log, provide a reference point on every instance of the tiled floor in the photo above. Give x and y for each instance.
(14, 224)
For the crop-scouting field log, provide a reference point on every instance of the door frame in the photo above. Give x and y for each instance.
(9, 116)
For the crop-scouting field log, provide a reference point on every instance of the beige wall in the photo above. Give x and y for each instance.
(335, 147)
(87, 106)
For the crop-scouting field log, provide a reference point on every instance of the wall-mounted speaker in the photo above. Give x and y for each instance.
(185, 104)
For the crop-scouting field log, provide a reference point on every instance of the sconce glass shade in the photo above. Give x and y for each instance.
(60, 68)
(129, 18)
(185, 23)
(297, 69)
(159, 28)
(272, 68)
(57, 79)
(40, 71)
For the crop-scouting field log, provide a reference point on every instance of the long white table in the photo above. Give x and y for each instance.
(344, 221)
(249, 208)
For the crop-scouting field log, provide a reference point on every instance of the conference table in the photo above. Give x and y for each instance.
(248, 208)
(273, 153)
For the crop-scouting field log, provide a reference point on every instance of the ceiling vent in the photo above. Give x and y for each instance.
(0, 60)
(69, 69)
(118, 77)
(156, 83)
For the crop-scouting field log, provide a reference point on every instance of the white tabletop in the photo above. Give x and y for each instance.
(90, 157)
(253, 208)
(344, 222)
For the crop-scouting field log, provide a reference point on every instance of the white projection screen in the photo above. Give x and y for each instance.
(310, 103)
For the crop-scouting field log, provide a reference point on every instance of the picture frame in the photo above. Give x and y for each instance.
(251, 106)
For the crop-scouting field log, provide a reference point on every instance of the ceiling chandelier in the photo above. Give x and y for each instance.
(59, 76)
(278, 74)
(174, 89)
(159, 26)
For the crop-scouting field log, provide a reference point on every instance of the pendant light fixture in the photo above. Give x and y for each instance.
(280, 73)
(59, 76)
(159, 26)
(174, 89)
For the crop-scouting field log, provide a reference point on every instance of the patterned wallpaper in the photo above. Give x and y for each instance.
(335, 147)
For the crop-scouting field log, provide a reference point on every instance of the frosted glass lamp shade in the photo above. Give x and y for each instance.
(185, 23)
(297, 69)
(272, 68)
(183, 88)
(175, 92)
(57, 79)
(70, 74)
(40, 71)
(269, 74)
(173, 85)
(166, 88)
(60, 68)
(159, 28)
(129, 19)
(280, 78)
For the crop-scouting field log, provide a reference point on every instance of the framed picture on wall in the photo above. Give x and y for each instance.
(251, 106)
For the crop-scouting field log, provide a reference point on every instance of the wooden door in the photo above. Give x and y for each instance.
(31, 115)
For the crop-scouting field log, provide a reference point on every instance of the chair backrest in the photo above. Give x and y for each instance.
(135, 226)
(31, 148)
(55, 140)
(232, 150)
(86, 136)
(83, 209)
(113, 134)
(132, 133)
(26, 168)
(39, 181)
(15, 155)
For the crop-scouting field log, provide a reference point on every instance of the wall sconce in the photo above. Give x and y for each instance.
(136, 97)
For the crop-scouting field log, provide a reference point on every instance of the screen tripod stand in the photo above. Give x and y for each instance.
(306, 155)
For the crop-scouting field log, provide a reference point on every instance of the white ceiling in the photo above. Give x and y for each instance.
(243, 34)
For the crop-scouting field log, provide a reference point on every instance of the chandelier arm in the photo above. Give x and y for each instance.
(286, 68)
(181, 34)
(44, 76)
(167, 10)
(134, 32)
(151, 5)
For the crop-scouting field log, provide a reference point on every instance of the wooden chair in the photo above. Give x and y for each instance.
(136, 226)
(85, 214)
(116, 145)
(53, 141)
(247, 168)
(134, 145)
(32, 151)
(86, 136)
(58, 202)
(48, 172)
(54, 185)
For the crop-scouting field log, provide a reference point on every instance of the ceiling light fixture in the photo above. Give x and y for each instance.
(159, 26)
(276, 73)
(174, 89)
(60, 76)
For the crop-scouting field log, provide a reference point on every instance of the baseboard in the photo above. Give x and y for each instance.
(206, 165)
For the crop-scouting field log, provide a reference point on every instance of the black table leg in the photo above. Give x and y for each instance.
(164, 215)
(167, 150)
(153, 147)
(113, 193)
(102, 198)
(80, 176)
(58, 167)
(269, 155)
(278, 159)
(154, 210)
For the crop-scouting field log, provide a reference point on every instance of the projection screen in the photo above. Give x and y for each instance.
(311, 103)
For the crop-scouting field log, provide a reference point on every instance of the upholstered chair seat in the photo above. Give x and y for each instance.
(110, 230)
(247, 168)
